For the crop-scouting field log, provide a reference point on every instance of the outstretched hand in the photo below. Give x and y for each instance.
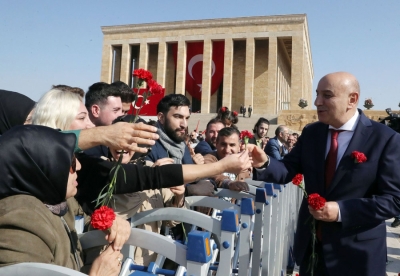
(236, 163)
(257, 155)
(122, 135)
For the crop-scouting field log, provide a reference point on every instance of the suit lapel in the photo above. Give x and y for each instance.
(361, 134)
(320, 147)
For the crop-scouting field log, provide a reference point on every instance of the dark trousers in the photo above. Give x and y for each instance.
(320, 268)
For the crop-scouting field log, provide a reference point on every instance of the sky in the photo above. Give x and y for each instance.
(46, 42)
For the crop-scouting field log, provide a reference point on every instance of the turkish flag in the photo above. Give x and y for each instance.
(149, 107)
(194, 67)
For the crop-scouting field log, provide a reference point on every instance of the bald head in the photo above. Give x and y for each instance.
(337, 98)
(343, 81)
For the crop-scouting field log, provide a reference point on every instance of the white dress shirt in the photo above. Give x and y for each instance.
(344, 139)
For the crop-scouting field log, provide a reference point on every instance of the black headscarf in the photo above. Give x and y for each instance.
(14, 108)
(35, 160)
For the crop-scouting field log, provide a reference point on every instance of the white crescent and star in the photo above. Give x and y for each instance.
(147, 101)
(193, 61)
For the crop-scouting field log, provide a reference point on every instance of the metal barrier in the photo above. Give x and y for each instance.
(254, 238)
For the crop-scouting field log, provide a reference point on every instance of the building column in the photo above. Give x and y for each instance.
(228, 64)
(143, 55)
(297, 66)
(206, 79)
(249, 75)
(106, 63)
(162, 63)
(272, 103)
(126, 57)
(181, 68)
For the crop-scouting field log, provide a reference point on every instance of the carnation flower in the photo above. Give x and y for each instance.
(154, 87)
(143, 74)
(235, 113)
(316, 201)
(359, 157)
(245, 135)
(223, 109)
(297, 179)
(103, 218)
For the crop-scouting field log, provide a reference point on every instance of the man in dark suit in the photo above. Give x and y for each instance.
(275, 147)
(360, 196)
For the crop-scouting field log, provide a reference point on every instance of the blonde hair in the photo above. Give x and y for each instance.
(57, 109)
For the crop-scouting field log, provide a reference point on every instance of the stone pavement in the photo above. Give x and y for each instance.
(393, 246)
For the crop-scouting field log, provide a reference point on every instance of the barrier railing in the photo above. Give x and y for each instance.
(253, 237)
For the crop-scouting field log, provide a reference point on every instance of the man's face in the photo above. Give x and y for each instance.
(262, 130)
(291, 140)
(175, 122)
(227, 145)
(333, 100)
(109, 111)
(284, 135)
(212, 133)
(125, 108)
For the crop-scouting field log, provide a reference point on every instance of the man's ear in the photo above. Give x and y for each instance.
(95, 110)
(353, 99)
(161, 118)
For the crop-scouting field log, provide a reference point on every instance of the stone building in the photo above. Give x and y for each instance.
(267, 60)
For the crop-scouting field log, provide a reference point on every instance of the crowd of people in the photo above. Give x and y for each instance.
(58, 154)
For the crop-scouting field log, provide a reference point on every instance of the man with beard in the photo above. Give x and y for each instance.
(209, 144)
(173, 115)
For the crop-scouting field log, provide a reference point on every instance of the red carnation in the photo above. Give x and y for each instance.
(235, 113)
(316, 201)
(103, 218)
(359, 157)
(297, 179)
(245, 134)
(154, 87)
(223, 109)
(143, 74)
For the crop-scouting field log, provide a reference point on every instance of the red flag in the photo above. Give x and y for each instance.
(194, 67)
(150, 106)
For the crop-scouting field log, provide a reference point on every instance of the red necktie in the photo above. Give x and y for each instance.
(330, 163)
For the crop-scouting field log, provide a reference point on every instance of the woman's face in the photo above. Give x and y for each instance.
(127, 156)
(72, 183)
(81, 120)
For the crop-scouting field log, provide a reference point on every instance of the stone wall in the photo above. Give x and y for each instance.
(297, 119)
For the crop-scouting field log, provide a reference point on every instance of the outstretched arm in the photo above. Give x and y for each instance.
(119, 136)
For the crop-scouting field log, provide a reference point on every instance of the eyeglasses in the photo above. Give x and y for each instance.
(72, 169)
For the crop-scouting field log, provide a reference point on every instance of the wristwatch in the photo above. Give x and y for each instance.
(265, 165)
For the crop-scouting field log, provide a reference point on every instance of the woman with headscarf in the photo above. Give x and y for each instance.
(34, 226)
(15, 109)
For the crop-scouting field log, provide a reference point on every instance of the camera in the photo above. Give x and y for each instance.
(392, 121)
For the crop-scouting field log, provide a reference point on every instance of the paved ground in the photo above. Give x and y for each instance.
(393, 246)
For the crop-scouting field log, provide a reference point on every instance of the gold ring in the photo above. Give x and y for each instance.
(119, 261)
